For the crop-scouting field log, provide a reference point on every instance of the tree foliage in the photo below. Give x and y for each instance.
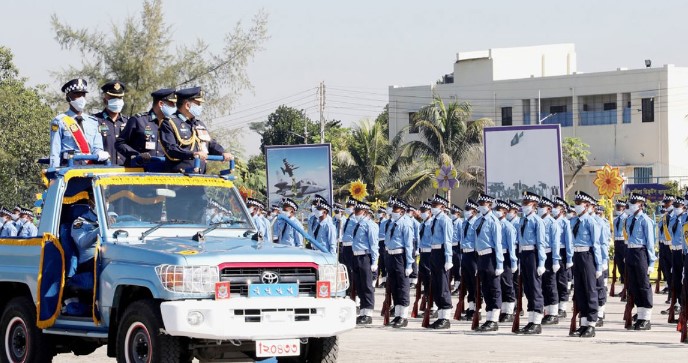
(24, 135)
(140, 52)
(575, 154)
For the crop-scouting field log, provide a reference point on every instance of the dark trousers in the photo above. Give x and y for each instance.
(507, 281)
(563, 278)
(532, 283)
(685, 282)
(382, 261)
(364, 281)
(469, 267)
(638, 281)
(619, 255)
(456, 261)
(439, 280)
(397, 280)
(601, 289)
(490, 284)
(585, 287)
(346, 257)
(665, 262)
(424, 269)
(549, 283)
(676, 272)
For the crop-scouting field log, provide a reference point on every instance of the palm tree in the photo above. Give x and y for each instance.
(448, 137)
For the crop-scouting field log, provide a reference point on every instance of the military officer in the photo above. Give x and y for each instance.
(678, 219)
(140, 136)
(15, 216)
(325, 232)
(469, 259)
(398, 244)
(619, 240)
(441, 261)
(365, 255)
(425, 245)
(313, 217)
(412, 214)
(185, 137)
(510, 262)
(286, 234)
(640, 259)
(565, 252)
(605, 235)
(73, 131)
(8, 229)
(587, 264)
(488, 245)
(337, 210)
(553, 263)
(457, 221)
(383, 222)
(110, 120)
(532, 243)
(27, 229)
(346, 254)
(665, 240)
(255, 208)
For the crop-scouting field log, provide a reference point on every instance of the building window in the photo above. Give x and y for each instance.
(648, 110)
(526, 112)
(506, 116)
(413, 129)
(642, 175)
(609, 106)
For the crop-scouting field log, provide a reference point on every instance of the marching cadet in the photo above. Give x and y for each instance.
(365, 252)
(440, 261)
(73, 131)
(509, 249)
(15, 216)
(665, 241)
(512, 214)
(276, 211)
(398, 243)
(640, 259)
(314, 217)
(605, 235)
(325, 231)
(469, 259)
(27, 229)
(8, 229)
(185, 137)
(552, 264)
(488, 245)
(619, 240)
(532, 244)
(565, 252)
(587, 264)
(346, 255)
(425, 247)
(110, 120)
(337, 210)
(678, 219)
(383, 225)
(140, 135)
(457, 221)
(255, 208)
(413, 215)
(285, 233)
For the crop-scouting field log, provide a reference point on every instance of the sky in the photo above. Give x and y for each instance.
(360, 48)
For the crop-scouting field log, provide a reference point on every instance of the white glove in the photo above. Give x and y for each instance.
(514, 269)
(373, 268)
(448, 266)
(499, 272)
(650, 269)
(605, 265)
(569, 265)
(103, 155)
(540, 271)
(598, 274)
(556, 266)
(408, 271)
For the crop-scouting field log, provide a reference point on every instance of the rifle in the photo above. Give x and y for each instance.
(659, 276)
(414, 311)
(352, 292)
(478, 304)
(459, 305)
(611, 289)
(387, 304)
(574, 316)
(683, 318)
(519, 306)
(428, 308)
(672, 306)
(628, 311)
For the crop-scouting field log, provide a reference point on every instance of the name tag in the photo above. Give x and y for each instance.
(150, 145)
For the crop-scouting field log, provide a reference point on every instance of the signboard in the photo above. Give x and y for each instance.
(299, 172)
(652, 191)
(523, 158)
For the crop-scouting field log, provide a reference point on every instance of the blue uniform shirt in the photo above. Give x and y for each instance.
(488, 234)
(553, 236)
(605, 235)
(458, 231)
(85, 233)
(509, 241)
(263, 226)
(348, 229)
(27, 230)
(425, 234)
(586, 233)
(365, 238)
(619, 227)
(642, 234)
(676, 229)
(383, 229)
(533, 234)
(337, 221)
(566, 239)
(286, 234)
(663, 221)
(326, 233)
(416, 234)
(400, 235)
(467, 240)
(61, 139)
(8, 229)
(442, 231)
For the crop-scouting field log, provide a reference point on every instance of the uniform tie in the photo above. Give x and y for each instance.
(480, 226)
(576, 227)
(618, 220)
(432, 228)
(346, 224)
(465, 230)
(317, 229)
(422, 230)
(79, 119)
(393, 228)
(355, 231)
(523, 226)
(673, 229)
(632, 225)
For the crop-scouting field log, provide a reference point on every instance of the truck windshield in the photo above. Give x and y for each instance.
(181, 205)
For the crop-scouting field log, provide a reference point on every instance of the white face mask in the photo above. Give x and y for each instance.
(570, 215)
(251, 210)
(396, 216)
(542, 211)
(669, 208)
(556, 212)
(483, 209)
(510, 216)
(627, 211)
(424, 215)
(318, 213)
(313, 209)
(526, 209)
(196, 110)
(467, 215)
(617, 213)
(498, 213)
(78, 104)
(634, 208)
(436, 211)
(380, 216)
(349, 210)
(676, 211)
(454, 217)
(389, 210)
(579, 208)
(115, 105)
(167, 110)
(285, 213)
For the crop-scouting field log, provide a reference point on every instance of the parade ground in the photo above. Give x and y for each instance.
(459, 344)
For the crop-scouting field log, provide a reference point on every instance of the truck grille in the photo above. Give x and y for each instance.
(239, 278)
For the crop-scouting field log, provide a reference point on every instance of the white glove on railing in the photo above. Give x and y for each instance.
(540, 271)
(103, 155)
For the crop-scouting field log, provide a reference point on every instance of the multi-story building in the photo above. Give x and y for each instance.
(635, 119)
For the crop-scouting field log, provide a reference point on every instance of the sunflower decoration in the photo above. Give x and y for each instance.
(608, 181)
(445, 178)
(358, 190)
(377, 204)
(245, 192)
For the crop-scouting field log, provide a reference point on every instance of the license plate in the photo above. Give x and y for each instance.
(278, 348)
(273, 290)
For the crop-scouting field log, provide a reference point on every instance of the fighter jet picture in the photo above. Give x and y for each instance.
(300, 189)
(288, 168)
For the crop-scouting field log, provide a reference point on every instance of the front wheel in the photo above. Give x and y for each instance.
(140, 337)
(22, 341)
(323, 350)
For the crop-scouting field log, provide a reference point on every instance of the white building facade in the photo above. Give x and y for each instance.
(635, 119)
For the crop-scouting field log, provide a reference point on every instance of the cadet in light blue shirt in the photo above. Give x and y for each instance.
(619, 240)
(398, 243)
(442, 231)
(456, 245)
(27, 229)
(425, 245)
(286, 234)
(469, 258)
(325, 232)
(552, 265)
(509, 250)
(365, 251)
(565, 252)
(255, 208)
(412, 214)
(383, 224)
(8, 229)
(347, 236)
(678, 219)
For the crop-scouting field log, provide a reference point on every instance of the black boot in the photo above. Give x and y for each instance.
(440, 324)
(506, 318)
(562, 313)
(600, 323)
(589, 332)
(469, 315)
(364, 320)
(550, 320)
(401, 323)
(578, 332)
(488, 326)
(531, 329)
(642, 325)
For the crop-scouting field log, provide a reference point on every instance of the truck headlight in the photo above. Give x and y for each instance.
(188, 279)
(337, 275)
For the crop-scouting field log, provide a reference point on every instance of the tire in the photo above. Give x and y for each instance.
(22, 341)
(323, 350)
(140, 338)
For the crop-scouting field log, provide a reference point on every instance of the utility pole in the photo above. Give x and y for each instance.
(305, 126)
(321, 97)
